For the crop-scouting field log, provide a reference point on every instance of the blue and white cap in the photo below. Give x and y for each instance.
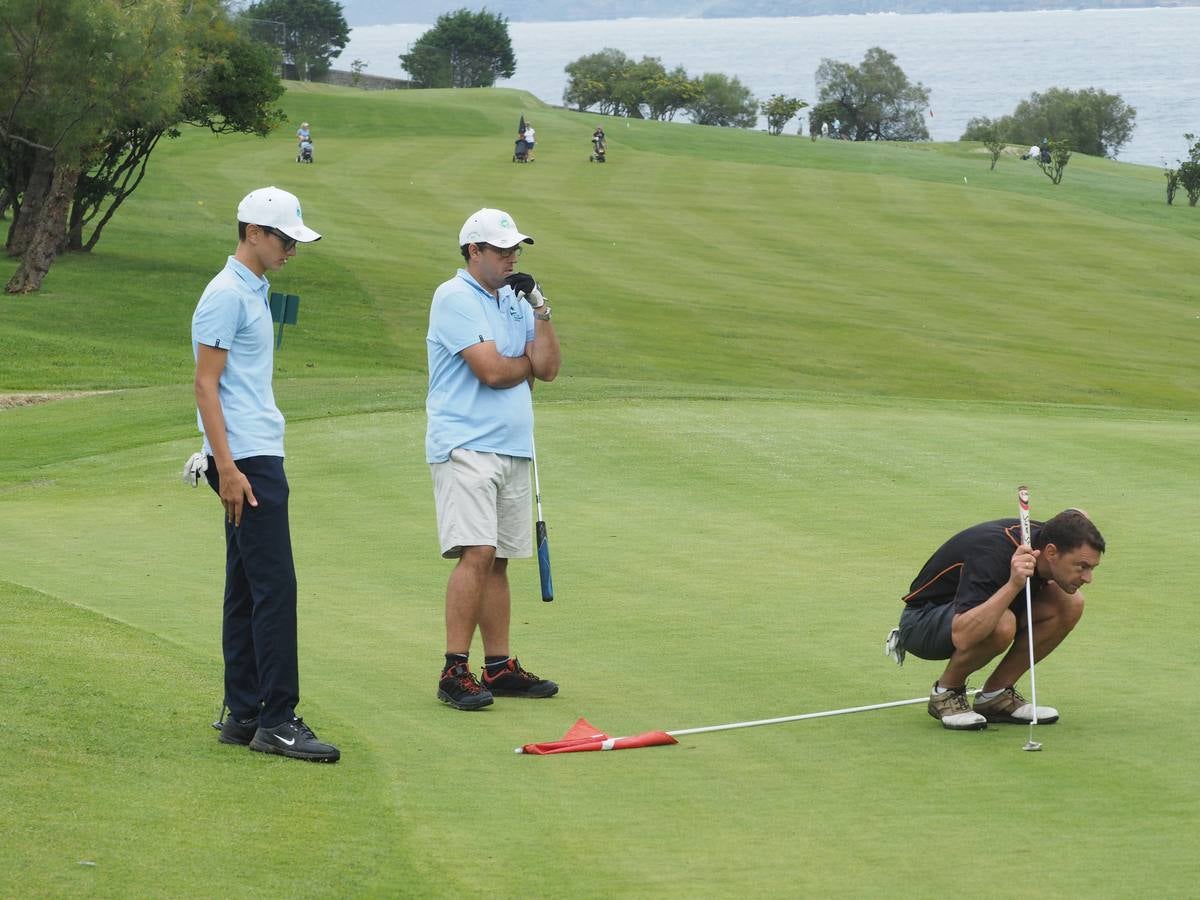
(494, 227)
(275, 208)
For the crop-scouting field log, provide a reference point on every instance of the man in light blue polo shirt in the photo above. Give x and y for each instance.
(233, 343)
(489, 338)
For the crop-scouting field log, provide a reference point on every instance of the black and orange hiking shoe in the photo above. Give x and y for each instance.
(513, 681)
(460, 689)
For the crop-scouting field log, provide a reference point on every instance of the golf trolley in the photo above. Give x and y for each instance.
(305, 154)
(599, 148)
(520, 151)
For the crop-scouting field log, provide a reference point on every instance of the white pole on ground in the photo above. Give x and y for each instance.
(680, 732)
(812, 715)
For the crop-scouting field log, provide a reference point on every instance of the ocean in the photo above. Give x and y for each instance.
(975, 64)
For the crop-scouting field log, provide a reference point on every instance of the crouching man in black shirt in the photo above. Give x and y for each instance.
(967, 606)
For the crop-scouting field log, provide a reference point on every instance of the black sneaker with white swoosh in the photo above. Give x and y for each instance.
(294, 739)
(236, 731)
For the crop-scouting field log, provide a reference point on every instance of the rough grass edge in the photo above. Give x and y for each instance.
(9, 401)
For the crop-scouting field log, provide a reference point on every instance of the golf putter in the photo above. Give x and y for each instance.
(1023, 501)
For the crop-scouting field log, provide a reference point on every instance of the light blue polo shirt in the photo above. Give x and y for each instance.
(462, 410)
(234, 314)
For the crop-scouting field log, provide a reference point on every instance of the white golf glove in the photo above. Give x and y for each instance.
(194, 469)
(892, 648)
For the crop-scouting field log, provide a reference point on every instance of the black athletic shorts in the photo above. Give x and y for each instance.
(925, 630)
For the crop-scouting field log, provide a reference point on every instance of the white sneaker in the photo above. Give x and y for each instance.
(952, 709)
(1009, 706)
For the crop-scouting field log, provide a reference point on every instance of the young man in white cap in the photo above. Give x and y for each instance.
(489, 339)
(233, 343)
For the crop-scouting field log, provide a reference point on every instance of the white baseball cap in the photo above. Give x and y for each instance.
(491, 226)
(274, 208)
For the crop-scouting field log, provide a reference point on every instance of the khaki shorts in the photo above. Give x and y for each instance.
(483, 500)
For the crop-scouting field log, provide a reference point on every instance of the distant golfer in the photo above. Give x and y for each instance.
(489, 339)
(233, 342)
(967, 606)
(530, 139)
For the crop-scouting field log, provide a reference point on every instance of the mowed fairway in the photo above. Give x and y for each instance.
(791, 370)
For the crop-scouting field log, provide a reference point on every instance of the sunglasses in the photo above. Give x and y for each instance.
(288, 242)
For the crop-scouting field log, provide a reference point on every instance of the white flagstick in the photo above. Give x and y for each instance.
(813, 715)
(1023, 500)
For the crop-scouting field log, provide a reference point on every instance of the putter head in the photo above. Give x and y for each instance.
(1032, 745)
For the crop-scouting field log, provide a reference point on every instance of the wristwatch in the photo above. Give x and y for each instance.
(542, 312)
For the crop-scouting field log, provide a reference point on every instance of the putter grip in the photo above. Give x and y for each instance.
(1023, 504)
(543, 554)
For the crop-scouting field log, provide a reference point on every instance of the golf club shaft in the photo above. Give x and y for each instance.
(813, 715)
(1023, 502)
(537, 487)
(542, 540)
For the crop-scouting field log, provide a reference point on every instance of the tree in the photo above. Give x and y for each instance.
(723, 100)
(143, 69)
(666, 93)
(988, 133)
(633, 84)
(821, 119)
(315, 32)
(614, 84)
(1172, 184)
(1189, 171)
(228, 86)
(874, 101)
(463, 49)
(590, 80)
(1091, 121)
(1059, 156)
(617, 85)
(73, 68)
(994, 146)
(779, 111)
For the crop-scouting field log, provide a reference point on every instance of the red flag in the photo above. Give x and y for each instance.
(583, 735)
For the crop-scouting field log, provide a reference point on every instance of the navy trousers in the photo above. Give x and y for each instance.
(258, 633)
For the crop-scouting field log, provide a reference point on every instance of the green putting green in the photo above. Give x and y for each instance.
(791, 370)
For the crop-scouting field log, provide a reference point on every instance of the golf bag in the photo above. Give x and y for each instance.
(306, 152)
(598, 149)
(520, 151)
